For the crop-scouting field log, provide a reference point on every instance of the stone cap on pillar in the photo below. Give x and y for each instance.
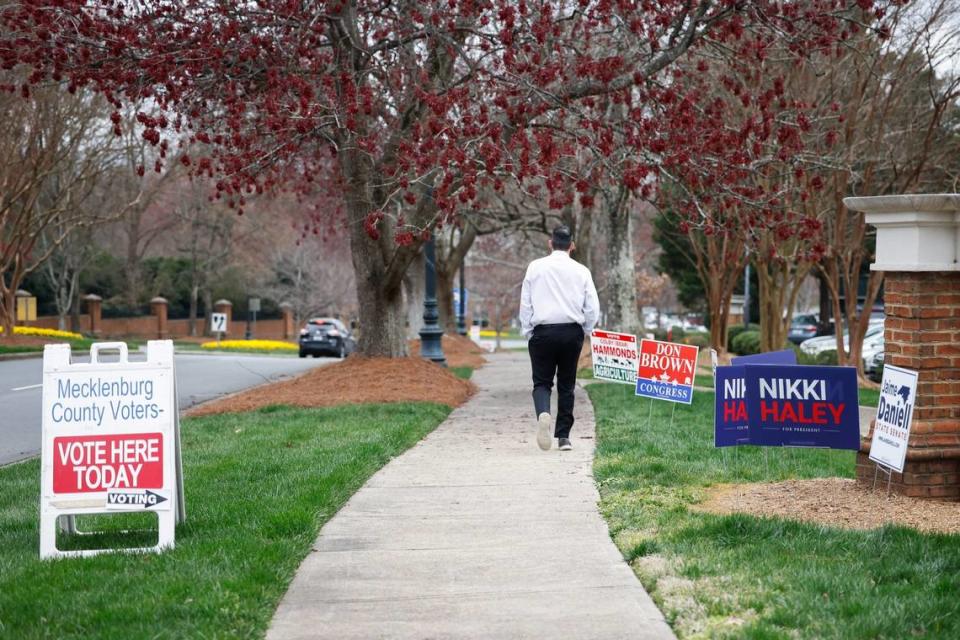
(223, 302)
(914, 232)
(92, 297)
(21, 293)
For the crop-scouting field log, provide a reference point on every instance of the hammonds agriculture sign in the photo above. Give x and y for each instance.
(798, 406)
(110, 439)
(614, 356)
(666, 371)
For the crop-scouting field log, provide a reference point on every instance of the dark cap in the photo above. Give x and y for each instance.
(561, 237)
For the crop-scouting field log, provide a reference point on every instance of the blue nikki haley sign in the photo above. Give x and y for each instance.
(798, 406)
(730, 419)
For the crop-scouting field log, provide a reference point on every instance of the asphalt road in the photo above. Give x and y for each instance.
(199, 378)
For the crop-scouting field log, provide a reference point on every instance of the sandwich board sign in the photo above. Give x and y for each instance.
(666, 371)
(111, 441)
(891, 431)
(614, 356)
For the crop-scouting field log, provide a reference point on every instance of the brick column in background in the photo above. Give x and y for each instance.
(158, 308)
(95, 311)
(922, 332)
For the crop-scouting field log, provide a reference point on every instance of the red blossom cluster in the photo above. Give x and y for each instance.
(387, 102)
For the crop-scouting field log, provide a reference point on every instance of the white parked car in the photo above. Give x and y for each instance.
(813, 346)
(872, 345)
(876, 366)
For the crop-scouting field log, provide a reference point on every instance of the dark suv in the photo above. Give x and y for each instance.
(326, 337)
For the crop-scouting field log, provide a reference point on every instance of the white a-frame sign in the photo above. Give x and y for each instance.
(111, 441)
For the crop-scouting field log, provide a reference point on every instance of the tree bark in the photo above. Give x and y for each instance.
(378, 264)
(7, 311)
(448, 315)
(621, 268)
(194, 297)
(413, 287)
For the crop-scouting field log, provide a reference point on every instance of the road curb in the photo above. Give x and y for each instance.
(29, 355)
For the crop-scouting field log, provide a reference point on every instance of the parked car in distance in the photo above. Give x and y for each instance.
(813, 346)
(872, 345)
(876, 366)
(326, 337)
(803, 327)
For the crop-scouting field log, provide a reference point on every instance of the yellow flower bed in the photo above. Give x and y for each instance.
(490, 333)
(45, 333)
(248, 345)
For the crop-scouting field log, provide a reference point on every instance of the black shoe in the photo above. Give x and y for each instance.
(564, 444)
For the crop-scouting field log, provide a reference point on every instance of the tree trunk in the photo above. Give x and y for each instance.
(75, 311)
(208, 309)
(194, 296)
(9, 283)
(413, 287)
(382, 312)
(621, 269)
(448, 315)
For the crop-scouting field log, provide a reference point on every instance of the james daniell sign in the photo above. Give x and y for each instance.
(110, 439)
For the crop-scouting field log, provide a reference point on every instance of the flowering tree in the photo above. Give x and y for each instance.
(53, 155)
(415, 106)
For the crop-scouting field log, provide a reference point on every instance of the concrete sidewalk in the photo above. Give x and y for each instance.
(474, 533)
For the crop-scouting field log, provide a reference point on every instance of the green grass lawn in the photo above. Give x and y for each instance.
(746, 577)
(258, 487)
(462, 372)
(75, 345)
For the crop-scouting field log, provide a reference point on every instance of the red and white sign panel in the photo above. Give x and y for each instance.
(614, 356)
(110, 440)
(667, 370)
(83, 464)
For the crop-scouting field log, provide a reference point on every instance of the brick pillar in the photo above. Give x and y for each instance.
(158, 308)
(286, 313)
(917, 247)
(921, 332)
(94, 305)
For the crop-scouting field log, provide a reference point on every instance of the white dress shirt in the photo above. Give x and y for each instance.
(556, 290)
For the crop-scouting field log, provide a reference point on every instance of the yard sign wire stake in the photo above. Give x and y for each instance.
(887, 470)
(672, 412)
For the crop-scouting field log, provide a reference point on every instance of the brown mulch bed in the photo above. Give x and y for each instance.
(836, 502)
(460, 351)
(355, 380)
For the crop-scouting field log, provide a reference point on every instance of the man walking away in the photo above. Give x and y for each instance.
(558, 306)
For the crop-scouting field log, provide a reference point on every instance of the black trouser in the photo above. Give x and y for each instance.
(555, 351)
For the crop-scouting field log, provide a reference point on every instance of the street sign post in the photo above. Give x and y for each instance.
(111, 441)
(218, 325)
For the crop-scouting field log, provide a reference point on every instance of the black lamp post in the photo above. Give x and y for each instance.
(462, 307)
(431, 333)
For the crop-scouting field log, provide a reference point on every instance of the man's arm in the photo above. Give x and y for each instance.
(591, 306)
(526, 306)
